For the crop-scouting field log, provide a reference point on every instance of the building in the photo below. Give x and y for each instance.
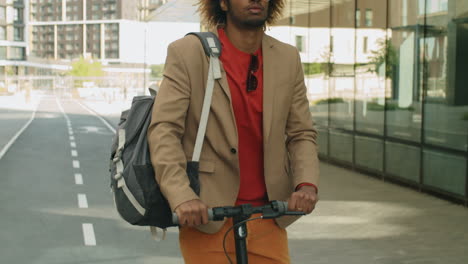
(13, 40)
(68, 29)
(387, 86)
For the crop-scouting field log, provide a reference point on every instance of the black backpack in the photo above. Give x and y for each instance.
(137, 195)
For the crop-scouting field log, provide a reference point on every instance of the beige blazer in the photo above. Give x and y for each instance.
(290, 147)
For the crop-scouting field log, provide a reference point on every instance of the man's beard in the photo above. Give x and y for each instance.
(246, 24)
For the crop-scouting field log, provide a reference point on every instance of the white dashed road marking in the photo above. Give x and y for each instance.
(88, 234)
(82, 201)
(78, 179)
(73, 144)
(76, 164)
(74, 153)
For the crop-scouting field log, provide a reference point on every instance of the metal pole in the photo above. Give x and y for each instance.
(240, 235)
(144, 60)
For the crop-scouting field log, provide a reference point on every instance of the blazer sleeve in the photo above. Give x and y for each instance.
(301, 140)
(167, 129)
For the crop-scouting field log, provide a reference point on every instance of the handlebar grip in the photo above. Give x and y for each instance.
(175, 218)
(282, 206)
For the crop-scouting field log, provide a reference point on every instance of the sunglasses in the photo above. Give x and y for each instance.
(252, 81)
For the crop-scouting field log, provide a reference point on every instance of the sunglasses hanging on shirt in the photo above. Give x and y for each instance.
(252, 81)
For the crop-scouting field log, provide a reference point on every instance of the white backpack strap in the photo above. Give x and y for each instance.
(212, 48)
(214, 73)
(119, 170)
(154, 233)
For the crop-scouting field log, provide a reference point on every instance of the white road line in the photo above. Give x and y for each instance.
(111, 128)
(73, 144)
(72, 138)
(76, 164)
(15, 137)
(88, 234)
(78, 179)
(74, 153)
(61, 110)
(82, 201)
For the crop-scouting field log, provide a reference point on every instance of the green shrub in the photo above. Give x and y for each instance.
(334, 100)
(372, 106)
(465, 116)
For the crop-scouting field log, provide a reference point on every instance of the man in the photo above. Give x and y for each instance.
(260, 144)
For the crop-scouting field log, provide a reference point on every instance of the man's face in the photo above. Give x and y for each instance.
(246, 13)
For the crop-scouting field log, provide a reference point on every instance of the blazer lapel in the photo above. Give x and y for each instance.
(268, 86)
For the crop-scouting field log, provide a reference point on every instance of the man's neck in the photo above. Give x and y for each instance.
(246, 40)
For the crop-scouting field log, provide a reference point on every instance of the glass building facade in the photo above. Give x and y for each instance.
(388, 86)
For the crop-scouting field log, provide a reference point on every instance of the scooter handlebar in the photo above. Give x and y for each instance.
(280, 207)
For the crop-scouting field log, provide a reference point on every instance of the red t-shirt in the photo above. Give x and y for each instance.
(248, 111)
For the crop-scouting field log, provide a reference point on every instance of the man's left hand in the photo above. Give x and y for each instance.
(303, 200)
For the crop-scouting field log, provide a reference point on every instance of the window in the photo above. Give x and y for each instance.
(2, 13)
(18, 15)
(18, 34)
(369, 17)
(300, 43)
(433, 6)
(2, 53)
(2, 33)
(16, 53)
(358, 17)
(364, 44)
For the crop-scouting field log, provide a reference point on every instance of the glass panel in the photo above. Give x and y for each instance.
(445, 171)
(403, 104)
(403, 161)
(446, 66)
(341, 146)
(322, 142)
(371, 70)
(316, 69)
(369, 153)
(342, 59)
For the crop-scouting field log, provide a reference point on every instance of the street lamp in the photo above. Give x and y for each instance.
(145, 10)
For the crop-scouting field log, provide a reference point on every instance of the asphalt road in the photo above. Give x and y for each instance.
(56, 204)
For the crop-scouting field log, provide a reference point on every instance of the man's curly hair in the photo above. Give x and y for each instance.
(213, 15)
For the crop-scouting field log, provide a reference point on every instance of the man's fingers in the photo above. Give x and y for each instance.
(192, 213)
(292, 203)
(205, 216)
(302, 202)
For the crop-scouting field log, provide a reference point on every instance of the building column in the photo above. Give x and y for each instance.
(103, 42)
(55, 43)
(84, 10)
(64, 10)
(84, 39)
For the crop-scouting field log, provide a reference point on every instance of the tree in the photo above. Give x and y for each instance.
(385, 54)
(86, 68)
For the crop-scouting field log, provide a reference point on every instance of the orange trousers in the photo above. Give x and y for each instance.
(266, 243)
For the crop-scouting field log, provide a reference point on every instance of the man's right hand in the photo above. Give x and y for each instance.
(192, 213)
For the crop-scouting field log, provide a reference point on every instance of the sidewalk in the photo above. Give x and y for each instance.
(363, 220)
